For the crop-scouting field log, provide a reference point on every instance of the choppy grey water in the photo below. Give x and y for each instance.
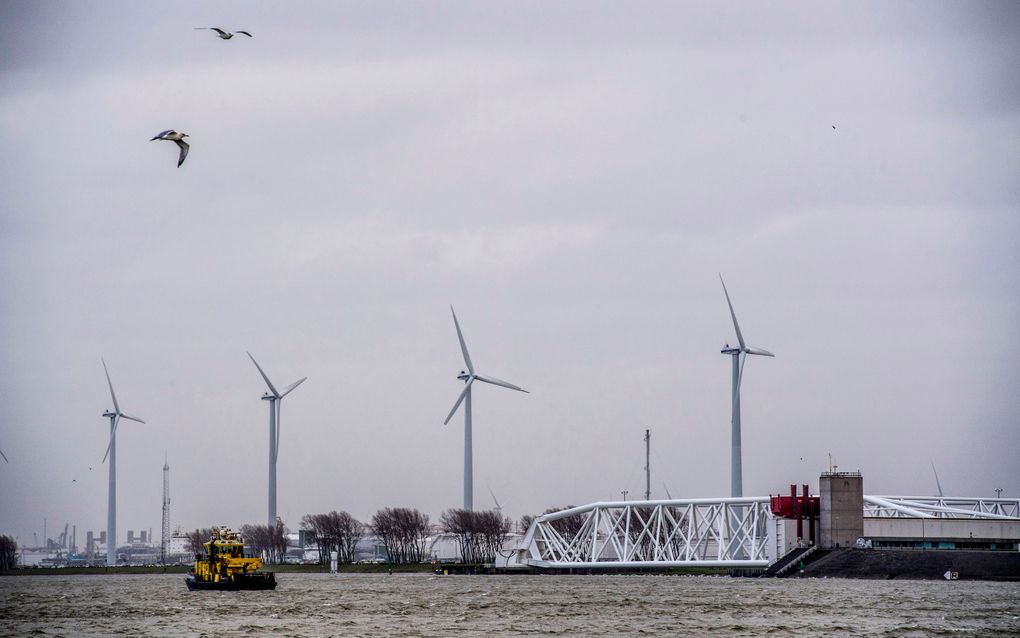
(427, 605)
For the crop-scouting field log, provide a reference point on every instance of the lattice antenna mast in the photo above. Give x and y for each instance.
(648, 465)
(166, 511)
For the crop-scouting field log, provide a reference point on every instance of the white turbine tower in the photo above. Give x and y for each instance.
(469, 377)
(111, 451)
(739, 355)
(275, 398)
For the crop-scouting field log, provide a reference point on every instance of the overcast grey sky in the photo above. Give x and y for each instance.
(572, 177)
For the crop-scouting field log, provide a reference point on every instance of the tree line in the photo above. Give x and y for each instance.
(403, 532)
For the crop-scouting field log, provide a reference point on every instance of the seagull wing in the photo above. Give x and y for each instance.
(218, 30)
(244, 32)
(184, 151)
(160, 135)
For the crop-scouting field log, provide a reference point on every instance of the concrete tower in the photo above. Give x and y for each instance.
(841, 519)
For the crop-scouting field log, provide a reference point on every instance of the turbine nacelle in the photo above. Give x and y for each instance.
(741, 350)
(116, 414)
(468, 376)
(273, 392)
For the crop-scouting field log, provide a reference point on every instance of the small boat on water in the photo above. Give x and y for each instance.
(224, 567)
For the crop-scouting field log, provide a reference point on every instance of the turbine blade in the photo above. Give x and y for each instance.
(113, 435)
(736, 326)
(4, 455)
(764, 353)
(463, 346)
(460, 399)
(268, 382)
(291, 387)
(116, 408)
(740, 378)
(937, 483)
(505, 384)
(494, 499)
(668, 495)
(131, 418)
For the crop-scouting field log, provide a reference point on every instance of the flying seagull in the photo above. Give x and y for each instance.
(171, 135)
(226, 35)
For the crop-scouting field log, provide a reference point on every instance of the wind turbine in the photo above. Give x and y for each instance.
(469, 377)
(739, 355)
(499, 506)
(4, 455)
(665, 487)
(111, 451)
(275, 398)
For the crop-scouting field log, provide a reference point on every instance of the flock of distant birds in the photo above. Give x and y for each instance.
(170, 135)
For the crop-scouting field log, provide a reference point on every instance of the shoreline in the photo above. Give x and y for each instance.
(183, 569)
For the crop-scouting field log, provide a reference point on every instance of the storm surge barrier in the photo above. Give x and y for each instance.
(941, 507)
(732, 532)
(726, 532)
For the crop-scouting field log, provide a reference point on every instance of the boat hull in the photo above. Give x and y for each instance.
(247, 582)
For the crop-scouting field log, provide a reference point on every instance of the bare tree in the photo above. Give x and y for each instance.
(461, 523)
(313, 534)
(481, 534)
(403, 532)
(267, 541)
(8, 552)
(198, 538)
(351, 532)
(256, 540)
(334, 532)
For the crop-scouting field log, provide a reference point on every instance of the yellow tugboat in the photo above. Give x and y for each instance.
(224, 566)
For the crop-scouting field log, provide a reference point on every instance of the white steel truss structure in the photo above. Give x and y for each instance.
(730, 532)
(941, 507)
(725, 532)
